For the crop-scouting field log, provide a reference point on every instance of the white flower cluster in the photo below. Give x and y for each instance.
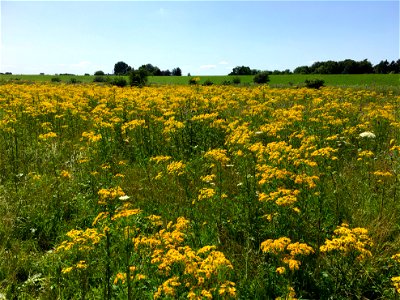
(367, 134)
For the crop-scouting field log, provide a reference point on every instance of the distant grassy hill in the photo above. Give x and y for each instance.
(362, 80)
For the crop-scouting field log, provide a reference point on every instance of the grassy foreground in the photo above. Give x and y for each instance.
(192, 192)
(363, 80)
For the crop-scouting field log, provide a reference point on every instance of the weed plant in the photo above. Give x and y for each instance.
(198, 192)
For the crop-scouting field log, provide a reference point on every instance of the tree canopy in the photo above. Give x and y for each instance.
(243, 70)
(177, 72)
(349, 66)
(121, 68)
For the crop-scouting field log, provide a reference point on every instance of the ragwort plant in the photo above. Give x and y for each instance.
(142, 258)
(272, 177)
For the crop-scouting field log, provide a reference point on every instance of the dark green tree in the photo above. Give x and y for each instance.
(241, 70)
(151, 70)
(177, 72)
(382, 67)
(121, 68)
(302, 70)
(365, 67)
(166, 73)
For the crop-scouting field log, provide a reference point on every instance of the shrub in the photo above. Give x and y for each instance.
(73, 80)
(99, 73)
(226, 82)
(261, 78)
(56, 79)
(138, 77)
(207, 82)
(194, 80)
(99, 78)
(119, 81)
(314, 83)
(236, 80)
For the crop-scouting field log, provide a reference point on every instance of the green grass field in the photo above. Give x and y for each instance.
(362, 80)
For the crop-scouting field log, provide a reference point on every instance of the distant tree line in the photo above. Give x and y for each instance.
(122, 68)
(138, 77)
(243, 70)
(349, 66)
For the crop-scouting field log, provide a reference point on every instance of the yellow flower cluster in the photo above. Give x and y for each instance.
(238, 134)
(396, 279)
(125, 211)
(326, 152)
(168, 288)
(176, 168)
(217, 155)
(65, 174)
(282, 197)
(396, 283)
(83, 240)
(131, 125)
(121, 276)
(47, 136)
(91, 136)
(206, 193)
(268, 174)
(170, 237)
(288, 251)
(204, 117)
(200, 268)
(347, 240)
(80, 265)
(383, 174)
(208, 178)
(396, 257)
(110, 194)
(364, 154)
(171, 126)
(155, 220)
(160, 158)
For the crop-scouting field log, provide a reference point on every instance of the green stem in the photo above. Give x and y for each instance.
(128, 270)
(108, 268)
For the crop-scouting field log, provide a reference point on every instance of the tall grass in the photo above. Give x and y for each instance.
(198, 192)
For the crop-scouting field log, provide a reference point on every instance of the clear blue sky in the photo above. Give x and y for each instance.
(203, 37)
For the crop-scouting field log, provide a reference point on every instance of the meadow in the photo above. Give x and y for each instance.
(342, 80)
(199, 192)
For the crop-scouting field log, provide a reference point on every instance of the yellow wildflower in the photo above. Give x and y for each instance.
(46, 136)
(160, 158)
(348, 240)
(280, 270)
(176, 168)
(396, 283)
(218, 155)
(65, 174)
(205, 193)
(67, 270)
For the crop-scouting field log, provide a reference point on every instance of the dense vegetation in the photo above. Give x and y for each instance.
(347, 66)
(350, 66)
(288, 80)
(198, 192)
